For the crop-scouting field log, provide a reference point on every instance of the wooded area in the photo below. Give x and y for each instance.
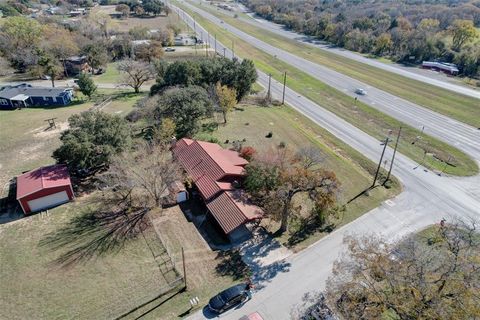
(405, 31)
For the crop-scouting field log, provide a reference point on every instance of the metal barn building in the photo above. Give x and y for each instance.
(44, 188)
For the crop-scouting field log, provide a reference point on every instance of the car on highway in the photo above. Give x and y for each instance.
(230, 298)
(360, 91)
(168, 49)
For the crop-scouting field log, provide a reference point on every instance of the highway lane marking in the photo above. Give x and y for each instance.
(390, 203)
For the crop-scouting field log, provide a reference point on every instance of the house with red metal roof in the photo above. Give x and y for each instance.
(44, 188)
(217, 173)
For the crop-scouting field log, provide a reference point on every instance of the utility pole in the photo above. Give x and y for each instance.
(394, 153)
(380, 162)
(269, 86)
(207, 43)
(233, 49)
(215, 44)
(184, 270)
(284, 86)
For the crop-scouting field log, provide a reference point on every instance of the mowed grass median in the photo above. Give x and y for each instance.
(449, 103)
(426, 150)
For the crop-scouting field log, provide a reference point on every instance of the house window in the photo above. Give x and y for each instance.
(54, 99)
(45, 98)
(3, 102)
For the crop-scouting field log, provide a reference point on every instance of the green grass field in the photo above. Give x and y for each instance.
(111, 75)
(25, 142)
(454, 105)
(38, 284)
(364, 117)
(289, 127)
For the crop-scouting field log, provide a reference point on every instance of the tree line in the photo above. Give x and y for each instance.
(42, 46)
(405, 31)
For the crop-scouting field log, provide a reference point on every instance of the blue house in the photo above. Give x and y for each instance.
(25, 95)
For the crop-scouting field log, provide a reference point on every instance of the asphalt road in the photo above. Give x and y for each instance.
(426, 199)
(456, 133)
(439, 80)
(433, 79)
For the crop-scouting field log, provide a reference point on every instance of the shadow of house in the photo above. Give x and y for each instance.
(9, 206)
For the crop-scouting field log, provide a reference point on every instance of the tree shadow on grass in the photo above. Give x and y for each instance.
(307, 230)
(232, 265)
(93, 233)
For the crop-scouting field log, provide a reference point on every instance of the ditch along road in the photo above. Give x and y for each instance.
(394, 68)
(454, 132)
(426, 199)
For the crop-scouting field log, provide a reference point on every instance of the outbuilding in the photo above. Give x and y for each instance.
(44, 188)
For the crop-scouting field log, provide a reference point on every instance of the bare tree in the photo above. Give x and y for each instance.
(431, 275)
(309, 157)
(141, 179)
(136, 73)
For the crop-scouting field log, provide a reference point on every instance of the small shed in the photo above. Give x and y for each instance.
(44, 188)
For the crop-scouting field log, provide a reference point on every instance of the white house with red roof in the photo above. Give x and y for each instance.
(217, 173)
(44, 188)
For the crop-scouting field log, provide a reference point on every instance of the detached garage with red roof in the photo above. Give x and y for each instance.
(44, 188)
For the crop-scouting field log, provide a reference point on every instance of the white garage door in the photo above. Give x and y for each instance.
(49, 201)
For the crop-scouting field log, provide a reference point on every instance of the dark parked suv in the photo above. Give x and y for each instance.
(229, 298)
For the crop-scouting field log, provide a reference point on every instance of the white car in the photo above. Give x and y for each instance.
(360, 91)
(169, 49)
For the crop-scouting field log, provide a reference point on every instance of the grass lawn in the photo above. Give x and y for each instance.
(25, 143)
(208, 272)
(354, 171)
(36, 283)
(457, 106)
(149, 22)
(111, 75)
(366, 118)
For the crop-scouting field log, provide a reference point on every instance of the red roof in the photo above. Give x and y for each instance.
(231, 209)
(42, 178)
(207, 163)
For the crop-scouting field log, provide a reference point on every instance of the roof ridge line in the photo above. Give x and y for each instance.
(213, 159)
(41, 178)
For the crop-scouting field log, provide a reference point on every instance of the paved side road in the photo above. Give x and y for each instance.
(427, 198)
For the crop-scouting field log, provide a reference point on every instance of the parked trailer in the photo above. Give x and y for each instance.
(449, 68)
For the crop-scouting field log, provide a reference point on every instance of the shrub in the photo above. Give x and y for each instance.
(206, 137)
(247, 152)
(269, 135)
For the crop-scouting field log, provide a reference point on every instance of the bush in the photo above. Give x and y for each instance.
(134, 116)
(269, 135)
(206, 137)
(282, 145)
(247, 152)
